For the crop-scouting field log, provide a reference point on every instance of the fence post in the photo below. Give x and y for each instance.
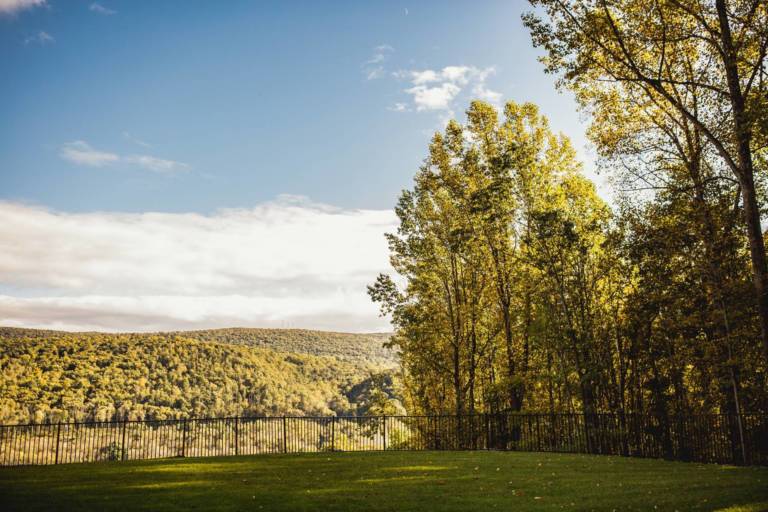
(384, 431)
(487, 431)
(122, 443)
(184, 437)
(538, 433)
(333, 433)
(587, 440)
(237, 431)
(285, 437)
(741, 438)
(58, 436)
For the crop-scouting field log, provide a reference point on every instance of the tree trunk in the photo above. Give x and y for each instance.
(514, 403)
(660, 409)
(588, 409)
(743, 141)
(757, 255)
(458, 391)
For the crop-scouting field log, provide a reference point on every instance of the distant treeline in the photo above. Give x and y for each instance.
(367, 348)
(48, 376)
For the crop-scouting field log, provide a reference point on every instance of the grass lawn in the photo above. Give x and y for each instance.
(459, 481)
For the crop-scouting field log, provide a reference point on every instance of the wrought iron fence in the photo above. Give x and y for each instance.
(703, 438)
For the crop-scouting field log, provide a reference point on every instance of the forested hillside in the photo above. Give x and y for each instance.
(51, 375)
(368, 348)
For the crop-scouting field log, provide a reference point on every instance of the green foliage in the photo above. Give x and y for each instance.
(678, 96)
(113, 452)
(493, 242)
(377, 395)
(522, 290)
(357, 348)
(48, 376)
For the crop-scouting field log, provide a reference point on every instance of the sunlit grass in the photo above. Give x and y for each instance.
(378, 481)
(754, 507)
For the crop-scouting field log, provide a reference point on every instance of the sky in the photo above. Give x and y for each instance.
(192, 164)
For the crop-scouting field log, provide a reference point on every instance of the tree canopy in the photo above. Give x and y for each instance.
(48, 376)
(518, 288)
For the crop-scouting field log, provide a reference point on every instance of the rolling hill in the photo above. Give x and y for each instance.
(54, 375)
(363, 348)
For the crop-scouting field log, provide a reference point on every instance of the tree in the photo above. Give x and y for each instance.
(469, 248)
(670, 52)
(436, 250)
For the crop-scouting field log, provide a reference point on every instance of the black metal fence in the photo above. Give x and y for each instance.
(704, 438)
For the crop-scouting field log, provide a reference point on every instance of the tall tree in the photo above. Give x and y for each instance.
(669, 51)
(468, 247)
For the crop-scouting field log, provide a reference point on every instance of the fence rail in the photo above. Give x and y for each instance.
(703, 438)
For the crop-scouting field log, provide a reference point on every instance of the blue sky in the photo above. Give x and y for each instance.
(191, 152)
(257, 99)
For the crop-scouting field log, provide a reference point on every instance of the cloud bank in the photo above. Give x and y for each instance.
(285, 263)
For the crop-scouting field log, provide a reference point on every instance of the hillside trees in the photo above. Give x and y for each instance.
(49, 376)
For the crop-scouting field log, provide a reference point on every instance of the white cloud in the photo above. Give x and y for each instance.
(287, 262)
(424, 77)
(481, 92)
(42, 38)
(374, 66)
(97, 7)
(437, 89)
(433, 98)
(81, 153)
(372, 73)
(458, 74)
(156, 164)
(13, 6)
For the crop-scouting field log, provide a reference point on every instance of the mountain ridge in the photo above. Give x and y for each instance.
(272, 338)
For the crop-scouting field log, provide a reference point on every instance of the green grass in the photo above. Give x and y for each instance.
(459, 481)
